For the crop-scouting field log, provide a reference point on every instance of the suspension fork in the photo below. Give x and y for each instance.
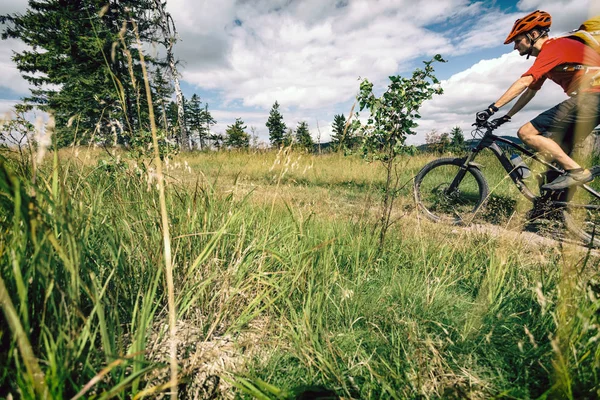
(461, 172)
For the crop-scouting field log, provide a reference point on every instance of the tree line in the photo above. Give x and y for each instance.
(343, 134)
(84, 65)
(453, 141)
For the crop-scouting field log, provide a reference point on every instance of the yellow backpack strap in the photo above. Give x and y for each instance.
(588, 38)
(589, 32)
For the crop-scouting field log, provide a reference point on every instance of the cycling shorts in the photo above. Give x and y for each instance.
(571, 121)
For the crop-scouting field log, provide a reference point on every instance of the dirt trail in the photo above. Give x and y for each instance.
(532, 239)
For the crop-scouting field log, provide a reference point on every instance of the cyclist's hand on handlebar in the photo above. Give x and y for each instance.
(483, 116)
(495, 124)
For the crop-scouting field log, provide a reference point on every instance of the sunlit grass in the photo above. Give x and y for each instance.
(278, 285)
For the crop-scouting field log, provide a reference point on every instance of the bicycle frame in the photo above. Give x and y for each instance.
(489, 141)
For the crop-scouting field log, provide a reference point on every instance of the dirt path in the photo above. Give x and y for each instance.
(532, 238)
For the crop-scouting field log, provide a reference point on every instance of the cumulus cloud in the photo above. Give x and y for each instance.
(12, 6)
(309, 54)
(10, 77)
(566, 14)
(6, 108)
(472, 90)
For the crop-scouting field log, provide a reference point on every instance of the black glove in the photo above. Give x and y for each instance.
(499, 121)
(484, 115)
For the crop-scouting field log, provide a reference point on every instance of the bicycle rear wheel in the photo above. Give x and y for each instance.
(583, 223)
(439, 205)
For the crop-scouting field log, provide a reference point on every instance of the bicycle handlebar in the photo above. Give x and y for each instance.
(484, 124)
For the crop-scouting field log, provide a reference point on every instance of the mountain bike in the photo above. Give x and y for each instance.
(454, 190)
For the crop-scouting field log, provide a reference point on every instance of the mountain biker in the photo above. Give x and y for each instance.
(572, 65)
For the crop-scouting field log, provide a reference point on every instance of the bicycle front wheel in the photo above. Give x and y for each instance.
(438, 203)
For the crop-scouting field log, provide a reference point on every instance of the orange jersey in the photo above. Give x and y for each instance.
(564, 51)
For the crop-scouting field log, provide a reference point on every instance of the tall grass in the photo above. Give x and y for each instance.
(291, 281)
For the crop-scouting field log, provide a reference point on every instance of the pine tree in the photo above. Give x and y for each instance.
(217, 140)
(193, 118)
(162, 91)
(206, 121)
(303, 137)
(457, 139)
(339, 124)
(276, 126)
(172, 120)
(236, 136)
(82, 65)
(288, 138)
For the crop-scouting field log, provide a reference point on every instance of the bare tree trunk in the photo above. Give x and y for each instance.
(170, 36)
(319, 135)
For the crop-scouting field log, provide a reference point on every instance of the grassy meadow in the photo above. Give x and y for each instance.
(279, 285)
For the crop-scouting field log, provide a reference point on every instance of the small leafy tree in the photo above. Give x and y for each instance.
(18, 140)
(432, 138)
(236, 136)
(391, 119)
(276, 126)
(445, 142)
(303, 137)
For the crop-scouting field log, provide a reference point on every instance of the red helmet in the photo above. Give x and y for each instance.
(537, 19)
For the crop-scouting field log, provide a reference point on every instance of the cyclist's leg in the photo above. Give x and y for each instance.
(555, 129)
(573, 121)
(547, 133)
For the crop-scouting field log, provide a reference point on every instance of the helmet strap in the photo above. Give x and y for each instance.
(532, 40)
(531, 43)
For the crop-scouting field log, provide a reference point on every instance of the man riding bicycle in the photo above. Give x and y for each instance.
(576, 68)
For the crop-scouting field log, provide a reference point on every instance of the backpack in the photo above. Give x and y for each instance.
(588, 33)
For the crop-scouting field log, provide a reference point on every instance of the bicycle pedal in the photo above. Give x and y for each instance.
(595, 170)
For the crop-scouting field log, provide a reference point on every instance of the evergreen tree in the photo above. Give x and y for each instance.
(457, 139)
(337, 138)
(193, 118)
(162, 92)
(236, 136)
(206, 121)
(303, 137)
(276, 126)
(288, 138)
(172, 120)
(217, 140)
(82, 64)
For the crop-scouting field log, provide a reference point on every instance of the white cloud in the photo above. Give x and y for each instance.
(6, 108)
(309, 54)
(10, 77)
(12, 6)
(474, 89)
(566, 14)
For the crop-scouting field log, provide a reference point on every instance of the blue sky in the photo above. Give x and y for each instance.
(241, 56)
